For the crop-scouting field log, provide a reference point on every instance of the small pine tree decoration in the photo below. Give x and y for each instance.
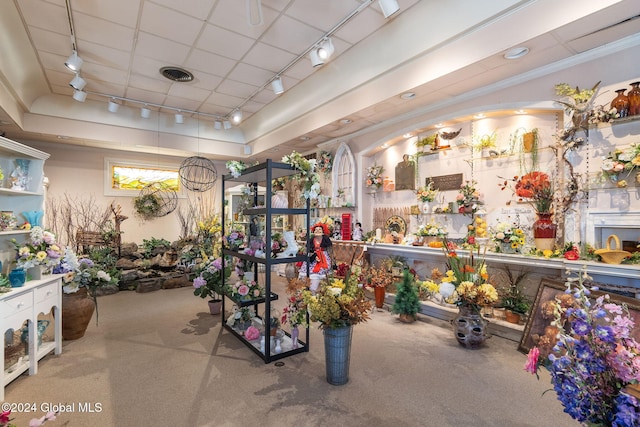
(407, 303)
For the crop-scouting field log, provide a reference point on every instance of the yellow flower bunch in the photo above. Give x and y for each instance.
(450, 277)
(337, 283)
(210, 225)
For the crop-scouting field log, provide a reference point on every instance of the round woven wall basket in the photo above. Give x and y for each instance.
(198, 173)
(164, 198)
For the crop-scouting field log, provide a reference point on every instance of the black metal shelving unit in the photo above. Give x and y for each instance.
(264, 174)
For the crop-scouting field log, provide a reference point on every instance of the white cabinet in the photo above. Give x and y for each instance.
(25, 304)
(19, 201)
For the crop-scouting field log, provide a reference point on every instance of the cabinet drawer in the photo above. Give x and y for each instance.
(47, 291)
(16, 304)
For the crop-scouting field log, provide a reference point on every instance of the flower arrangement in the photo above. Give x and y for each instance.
(234, 239)
(577, 95)
(431, 229)
(468, 197)
(335, 306)
(508, 233)
(427, 193)
(7, 221)
(600, 114)
(471, 279)
(325, 162)
(592, 356)
(377, 277)
(278, 244)
(374, 177)
(619, 162)
(307, 173)
(245, 290)
(535, 188)
(40, 249)
(236, 167)
(428, 289)
(209, 282)
(295, 313)
(240, 315)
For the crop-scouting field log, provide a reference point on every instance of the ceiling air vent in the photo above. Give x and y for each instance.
(176, 74)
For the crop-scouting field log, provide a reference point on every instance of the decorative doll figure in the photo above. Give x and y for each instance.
(357, 232)
(319, 259)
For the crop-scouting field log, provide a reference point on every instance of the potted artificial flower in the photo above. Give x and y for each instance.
(210, 282)
(38, 252)
(508, 238)
(338, 309)
(378, 279)
(295, 313)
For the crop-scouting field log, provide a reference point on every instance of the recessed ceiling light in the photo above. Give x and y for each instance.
(407, 135)
(304, 138)
(408, 95)
(521, 112)
(440, 125)
(479, 116)
(385, 145)
(63, 137)
(346, 121)
(516, 52)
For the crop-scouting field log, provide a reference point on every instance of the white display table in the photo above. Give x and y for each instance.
(26, 303)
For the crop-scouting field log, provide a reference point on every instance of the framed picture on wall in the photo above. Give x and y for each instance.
(127, 178)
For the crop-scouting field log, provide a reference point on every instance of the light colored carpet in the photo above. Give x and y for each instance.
(161, 359)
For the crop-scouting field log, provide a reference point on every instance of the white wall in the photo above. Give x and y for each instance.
(79, 172)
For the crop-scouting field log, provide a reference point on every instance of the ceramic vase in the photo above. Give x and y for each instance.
(544, 232)
(379, 294)
(17, 277)
(294, 337)
(470, 328)
(77, 310)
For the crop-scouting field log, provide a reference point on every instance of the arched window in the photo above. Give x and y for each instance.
(344, 177)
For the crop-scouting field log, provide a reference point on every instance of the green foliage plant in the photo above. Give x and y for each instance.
(407, 301)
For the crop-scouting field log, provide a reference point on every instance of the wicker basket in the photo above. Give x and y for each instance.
(612, 256)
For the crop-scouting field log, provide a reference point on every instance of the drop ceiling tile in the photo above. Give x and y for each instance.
(106, 87)
(209, 63)
(123, 12)
(280, 35)
(45, 15)
(145, 95)
(51, 42)
(160, 49)
(93, 72)
(235, 88)
(223, 42)
(199, 9)
(178, 102)
(251, 75)
(268, 57)
(206, 81)
(103, 32)
(104, 55)
(145, 83)
(322, 15)
(55, 62)
(223, 100)
(232, 15)
(169, 24)
(187, 91)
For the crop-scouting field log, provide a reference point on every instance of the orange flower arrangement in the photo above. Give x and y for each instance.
(536, 187)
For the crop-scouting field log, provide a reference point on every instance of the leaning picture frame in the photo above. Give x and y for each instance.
(537, 321)
(547, 291)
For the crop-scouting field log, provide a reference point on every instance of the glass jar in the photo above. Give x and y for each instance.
(634, 99)
(621, 103)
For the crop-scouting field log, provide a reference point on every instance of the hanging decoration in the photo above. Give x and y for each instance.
(155, 200)
(198, 173)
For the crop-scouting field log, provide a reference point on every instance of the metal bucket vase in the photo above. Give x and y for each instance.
(337, 351)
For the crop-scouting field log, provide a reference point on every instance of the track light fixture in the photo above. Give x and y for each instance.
(326, 49)
(74, 62)
(276, 85)
(179, 118)
(236, 117)
(388, 7)
(79, 95)
(113, 106)
(217, 125)
(315, 59)
(226, 124)
(78, 83)
(145, 113)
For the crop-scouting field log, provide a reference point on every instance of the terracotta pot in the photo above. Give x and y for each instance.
(512, 317)
(379, 293)
(77, 310)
